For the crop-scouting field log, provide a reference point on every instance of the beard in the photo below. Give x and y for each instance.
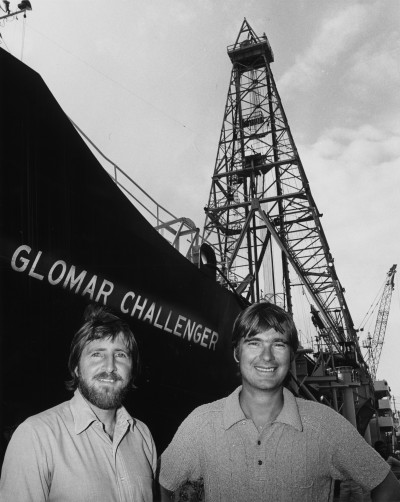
(106, 397)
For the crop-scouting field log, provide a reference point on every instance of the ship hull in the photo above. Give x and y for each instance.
(70, 237)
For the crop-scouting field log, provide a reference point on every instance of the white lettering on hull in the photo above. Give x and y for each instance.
(100, 290)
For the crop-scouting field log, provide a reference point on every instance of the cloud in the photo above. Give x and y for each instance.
(335, 37)
(354, 177)
(374, 75)
(366, 146)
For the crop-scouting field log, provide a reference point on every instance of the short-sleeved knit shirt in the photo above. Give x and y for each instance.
(296, 457)
(64, 455)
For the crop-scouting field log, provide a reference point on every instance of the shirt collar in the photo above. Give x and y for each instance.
(289, 413)
(233, 413)
(84, 416)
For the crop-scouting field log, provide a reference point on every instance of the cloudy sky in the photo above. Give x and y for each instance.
(147, 80)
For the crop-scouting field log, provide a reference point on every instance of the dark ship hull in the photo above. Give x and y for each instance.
(68, 237)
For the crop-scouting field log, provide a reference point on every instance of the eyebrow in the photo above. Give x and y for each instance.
(104, 349)
(257, 338)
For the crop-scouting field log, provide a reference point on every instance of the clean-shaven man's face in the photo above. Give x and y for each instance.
(264, 360)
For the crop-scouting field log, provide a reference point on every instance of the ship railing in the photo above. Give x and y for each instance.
(180, 232)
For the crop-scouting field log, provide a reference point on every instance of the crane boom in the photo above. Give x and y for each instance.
(377, 339)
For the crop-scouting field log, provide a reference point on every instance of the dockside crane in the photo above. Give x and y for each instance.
(374, 343)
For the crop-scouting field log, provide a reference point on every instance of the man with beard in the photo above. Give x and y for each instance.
(89, 448)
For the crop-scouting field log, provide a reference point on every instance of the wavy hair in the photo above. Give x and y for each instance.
(100, 323)
(263, 316)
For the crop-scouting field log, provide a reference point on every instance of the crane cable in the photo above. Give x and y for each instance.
(23, 36)
(373, 306)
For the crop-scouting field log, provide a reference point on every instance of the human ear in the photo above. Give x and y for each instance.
(235, 355)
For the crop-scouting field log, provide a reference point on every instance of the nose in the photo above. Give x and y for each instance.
(267, 353)
(109, 363)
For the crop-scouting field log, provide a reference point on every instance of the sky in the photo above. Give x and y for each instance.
(147, 82)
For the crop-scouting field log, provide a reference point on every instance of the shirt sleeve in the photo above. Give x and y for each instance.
(25, 473)
(353, 458)
(181, 461)
(148, 445)
(393, 462)
(152, 452)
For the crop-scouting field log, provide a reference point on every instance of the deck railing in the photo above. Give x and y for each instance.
(180, 232)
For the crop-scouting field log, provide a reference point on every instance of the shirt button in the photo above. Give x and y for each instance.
(258, 442)
(260, 462)
(244, 422)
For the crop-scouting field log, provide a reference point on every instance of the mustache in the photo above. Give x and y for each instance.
(109, 376)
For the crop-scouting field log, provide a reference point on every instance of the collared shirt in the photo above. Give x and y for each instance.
(64, 455)
(296, 457)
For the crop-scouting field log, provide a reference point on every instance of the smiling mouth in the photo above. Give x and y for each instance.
(265, 370)
(108, 378)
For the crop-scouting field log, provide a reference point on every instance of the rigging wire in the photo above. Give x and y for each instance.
(2, 41)
(300, 301)
(122, 86)
(372, 307)
(122, 171)
(3, 24)
(23, 36)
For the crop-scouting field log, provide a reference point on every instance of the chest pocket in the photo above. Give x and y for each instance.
(299, 464)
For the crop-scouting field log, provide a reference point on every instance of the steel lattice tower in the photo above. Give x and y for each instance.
(261, 219)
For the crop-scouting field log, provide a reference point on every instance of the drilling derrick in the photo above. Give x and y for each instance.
(261, 219)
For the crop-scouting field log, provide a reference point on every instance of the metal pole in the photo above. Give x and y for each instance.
(349, 411)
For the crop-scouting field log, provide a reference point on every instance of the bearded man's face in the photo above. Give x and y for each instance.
(105, 372)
